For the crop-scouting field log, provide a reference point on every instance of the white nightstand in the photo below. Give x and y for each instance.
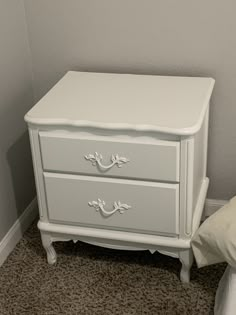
(120, 161)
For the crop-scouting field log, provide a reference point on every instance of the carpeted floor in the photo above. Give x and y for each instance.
(89, 280)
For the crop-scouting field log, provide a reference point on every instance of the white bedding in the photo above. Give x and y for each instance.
(225, 300)
(215, 240)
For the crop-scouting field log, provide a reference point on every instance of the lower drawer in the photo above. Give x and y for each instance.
(113, 204)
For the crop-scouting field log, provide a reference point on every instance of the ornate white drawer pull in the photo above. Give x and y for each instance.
(118, 206)
(97, 158)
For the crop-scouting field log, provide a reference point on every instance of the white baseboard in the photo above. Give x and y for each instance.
(17, 230)
(212, 205)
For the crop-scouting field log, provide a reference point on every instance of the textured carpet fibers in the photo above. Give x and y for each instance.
(91, 280)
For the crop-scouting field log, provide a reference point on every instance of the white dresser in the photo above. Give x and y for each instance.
(120, 161)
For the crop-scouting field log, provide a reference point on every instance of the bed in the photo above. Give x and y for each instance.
(215, 242)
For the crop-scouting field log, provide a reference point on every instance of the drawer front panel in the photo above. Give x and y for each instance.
(158, 160)
(114, 204)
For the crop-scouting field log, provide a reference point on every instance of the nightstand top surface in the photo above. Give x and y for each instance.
(169, 104)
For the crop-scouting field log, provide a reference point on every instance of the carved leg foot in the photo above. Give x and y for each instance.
(186, 258)
(47, 244)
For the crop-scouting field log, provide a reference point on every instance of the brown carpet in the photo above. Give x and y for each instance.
(91, 280)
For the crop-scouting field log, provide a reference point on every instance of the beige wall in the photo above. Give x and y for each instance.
(16, 97)
(184, 37)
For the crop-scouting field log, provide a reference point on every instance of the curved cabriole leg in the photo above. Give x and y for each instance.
(186, 258)
(47, 244)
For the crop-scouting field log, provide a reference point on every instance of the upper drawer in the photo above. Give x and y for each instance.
(110, 156)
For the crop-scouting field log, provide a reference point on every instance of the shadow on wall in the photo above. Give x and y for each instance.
(21, 168)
